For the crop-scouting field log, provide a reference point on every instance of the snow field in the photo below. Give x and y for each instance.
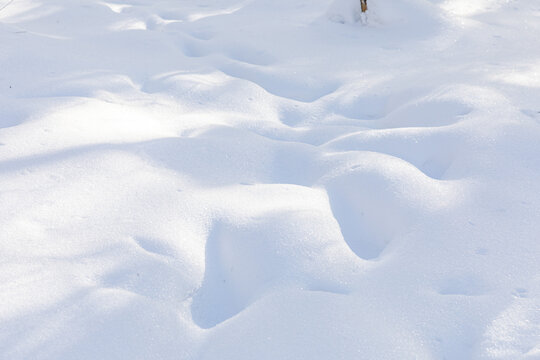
(274, 180)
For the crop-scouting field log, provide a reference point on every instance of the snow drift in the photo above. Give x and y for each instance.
(231, 179)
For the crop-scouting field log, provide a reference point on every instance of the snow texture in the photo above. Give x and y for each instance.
(253, 179)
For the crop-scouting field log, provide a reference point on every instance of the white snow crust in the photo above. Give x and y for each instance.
(254, 179)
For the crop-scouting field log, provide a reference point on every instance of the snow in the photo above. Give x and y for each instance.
(288, 179)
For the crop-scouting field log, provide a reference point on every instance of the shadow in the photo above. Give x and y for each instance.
(130, 312)
(216, 157)
(247, 259)
(216, 300)
(97, 323)
(241, 263)
(381, 199)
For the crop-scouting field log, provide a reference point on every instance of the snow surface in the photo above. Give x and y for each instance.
(253, 179)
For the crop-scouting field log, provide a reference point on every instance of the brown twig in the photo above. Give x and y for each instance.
(363, 5)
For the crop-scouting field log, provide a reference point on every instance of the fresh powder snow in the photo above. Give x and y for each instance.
(254, 179)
